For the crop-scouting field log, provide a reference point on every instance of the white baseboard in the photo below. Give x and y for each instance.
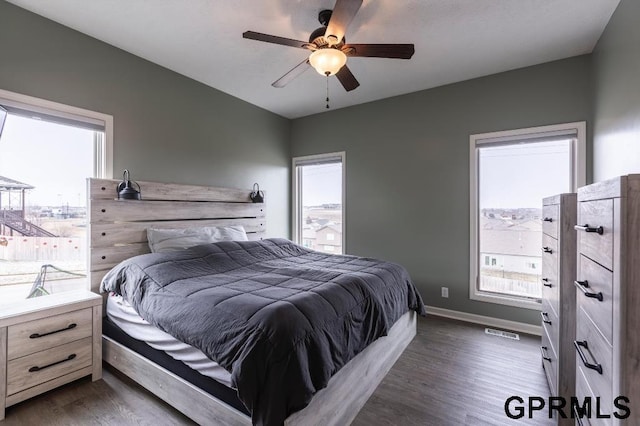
(521, 327)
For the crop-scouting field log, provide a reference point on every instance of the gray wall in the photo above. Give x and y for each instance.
(167, 128)
(616, 59)
(408, 167)
(407, 157)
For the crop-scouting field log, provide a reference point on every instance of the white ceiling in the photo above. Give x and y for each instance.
(455, 40)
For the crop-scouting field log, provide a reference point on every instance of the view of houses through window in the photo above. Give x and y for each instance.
(512, 180)
(43, 209)
(319, 203)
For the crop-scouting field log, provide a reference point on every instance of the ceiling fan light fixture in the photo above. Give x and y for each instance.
(327, 61)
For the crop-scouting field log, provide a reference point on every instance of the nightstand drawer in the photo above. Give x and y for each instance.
(35, 336)
(550, 215)
(40, 367)
(595, 245)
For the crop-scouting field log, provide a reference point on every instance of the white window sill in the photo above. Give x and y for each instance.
(518, 302)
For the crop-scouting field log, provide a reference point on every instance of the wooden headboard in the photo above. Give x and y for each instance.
(118, 228)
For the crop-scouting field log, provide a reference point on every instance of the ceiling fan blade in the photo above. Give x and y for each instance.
(252, 35)
(342, 15)
(347, 79)
(394, 51)
(292, 74)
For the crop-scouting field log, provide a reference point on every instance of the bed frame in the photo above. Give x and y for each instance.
(117, 231)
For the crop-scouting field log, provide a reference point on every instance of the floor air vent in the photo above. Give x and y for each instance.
(501, 333)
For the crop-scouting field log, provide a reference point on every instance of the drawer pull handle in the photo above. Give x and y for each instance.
(547, 250)
(38, 335)
(543, 351)
(36, 368)
(546, 282)
(545, 317)
(548, 219)
(586, 228)
(579, 345)
(583, 286)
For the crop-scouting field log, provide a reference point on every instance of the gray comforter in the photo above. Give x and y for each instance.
(282, 319)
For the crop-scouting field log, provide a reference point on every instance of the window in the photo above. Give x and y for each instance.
(511, 172)
(318, 201)
(47, 150)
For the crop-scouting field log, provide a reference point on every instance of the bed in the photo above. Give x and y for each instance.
(118, 232)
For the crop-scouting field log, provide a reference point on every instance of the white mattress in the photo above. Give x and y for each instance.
(124, 316)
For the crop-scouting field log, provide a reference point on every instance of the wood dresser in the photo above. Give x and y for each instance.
(48, 341)
(607, 345)
(558, 294)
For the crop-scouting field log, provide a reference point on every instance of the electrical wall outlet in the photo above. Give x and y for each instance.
(445, 291)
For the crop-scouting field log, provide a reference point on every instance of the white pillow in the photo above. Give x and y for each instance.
(165, 239)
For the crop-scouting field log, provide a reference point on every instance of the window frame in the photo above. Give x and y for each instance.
(296, 191)
(103, 147)
(576, 130)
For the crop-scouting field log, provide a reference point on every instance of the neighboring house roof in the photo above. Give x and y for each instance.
(7, 184)
(518, 238)
(532, 225)
(308, 233)
(511, 224)
(331, 227)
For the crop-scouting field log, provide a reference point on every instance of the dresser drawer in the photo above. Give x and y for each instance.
(550, 283)
(598, 247)
(598, 352)
(550, 323)
(45, 333)
(600, 283)
(590, 416)
(550, 249)
(583, 391)
(550, 216)
(550, 292)
(40, 367)
(550, 363)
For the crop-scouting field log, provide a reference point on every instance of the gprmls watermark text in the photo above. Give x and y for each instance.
(516, 407)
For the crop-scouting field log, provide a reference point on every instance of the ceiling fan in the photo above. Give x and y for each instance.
(329, 48)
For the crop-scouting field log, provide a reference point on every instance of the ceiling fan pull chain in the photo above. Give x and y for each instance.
(327, 91)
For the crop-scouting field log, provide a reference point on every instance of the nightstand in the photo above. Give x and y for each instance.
(48, 341)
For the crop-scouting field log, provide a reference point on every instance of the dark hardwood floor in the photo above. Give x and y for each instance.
(451, 374)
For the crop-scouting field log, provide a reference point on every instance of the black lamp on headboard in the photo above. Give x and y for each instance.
(125, 189)
(256, 195)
